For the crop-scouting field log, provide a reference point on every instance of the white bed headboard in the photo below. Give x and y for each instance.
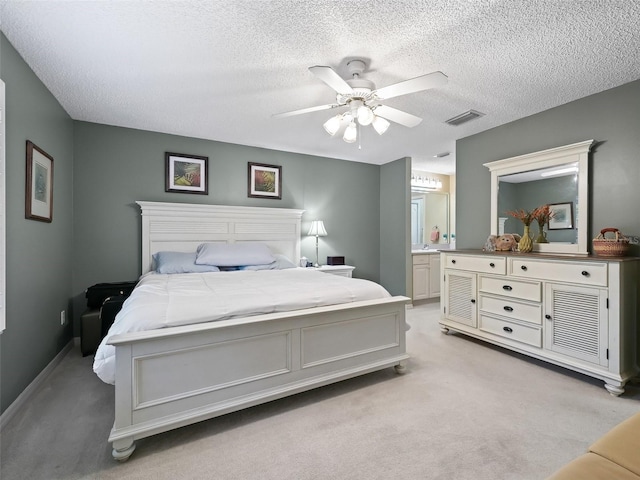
(181, 227)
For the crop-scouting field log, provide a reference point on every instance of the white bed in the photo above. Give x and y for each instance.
(175, 376)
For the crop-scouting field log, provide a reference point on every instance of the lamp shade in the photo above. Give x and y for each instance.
(333, 125)
(351, 133)
(365, 115)
(380, 124)
(317, 228)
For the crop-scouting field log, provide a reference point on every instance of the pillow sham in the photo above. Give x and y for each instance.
(233, 254)
(180, 262)
(280, 263)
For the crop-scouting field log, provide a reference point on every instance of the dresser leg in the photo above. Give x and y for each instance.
(615, 390)
(444, 329)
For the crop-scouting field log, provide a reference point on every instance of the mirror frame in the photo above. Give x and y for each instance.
(574, 153)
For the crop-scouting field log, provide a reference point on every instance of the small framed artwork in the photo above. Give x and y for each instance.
(562, 216)
(39, 184)
(186, 173)
(265, 181)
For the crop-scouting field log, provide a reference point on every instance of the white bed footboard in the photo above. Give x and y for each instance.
(173, 377)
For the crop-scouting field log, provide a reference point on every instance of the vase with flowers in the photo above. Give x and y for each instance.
(542, 215)
(525, 244)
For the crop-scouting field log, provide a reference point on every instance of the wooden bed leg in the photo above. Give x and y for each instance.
(122, 449)
(401, 367)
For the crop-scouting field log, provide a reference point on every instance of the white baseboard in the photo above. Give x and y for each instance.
(22, 399)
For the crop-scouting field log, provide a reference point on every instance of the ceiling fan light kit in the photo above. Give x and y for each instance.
(362, 99)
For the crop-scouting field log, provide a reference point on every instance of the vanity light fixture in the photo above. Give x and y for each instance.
(317, 229)
(424, 182)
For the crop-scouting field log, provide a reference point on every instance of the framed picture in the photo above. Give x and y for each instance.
(265, 181)
(39, 184)
(186, 173)
(562, 218)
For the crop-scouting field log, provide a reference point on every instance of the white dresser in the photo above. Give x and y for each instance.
(577, 312)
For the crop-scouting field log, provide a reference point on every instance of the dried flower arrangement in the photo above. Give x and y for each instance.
(523, 215)
(542, 215)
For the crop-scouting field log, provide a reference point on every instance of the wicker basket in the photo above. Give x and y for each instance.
(610, 247)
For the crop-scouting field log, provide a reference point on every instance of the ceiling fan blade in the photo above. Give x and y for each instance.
(307, 110)
(425, 82)
(397, 116)
(331, 78)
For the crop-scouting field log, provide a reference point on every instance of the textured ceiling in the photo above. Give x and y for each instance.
(219, 69)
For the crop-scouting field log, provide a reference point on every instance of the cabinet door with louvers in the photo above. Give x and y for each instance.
(459, 302)
(576, 322)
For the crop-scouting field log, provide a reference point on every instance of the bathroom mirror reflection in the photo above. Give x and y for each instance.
(430, 219)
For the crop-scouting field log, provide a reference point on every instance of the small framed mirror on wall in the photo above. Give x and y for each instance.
(558, 177)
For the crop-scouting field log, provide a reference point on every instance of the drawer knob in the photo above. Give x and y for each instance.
(508, 288)
(547, 316)
(523, 267)
(453, 261)
(585, 273)
(473, 300)
(508, 308)
(507, 329)
(492, 265)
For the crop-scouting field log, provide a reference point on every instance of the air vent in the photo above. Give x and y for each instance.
(464, 117)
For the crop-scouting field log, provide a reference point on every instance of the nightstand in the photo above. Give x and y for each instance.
(342, 270)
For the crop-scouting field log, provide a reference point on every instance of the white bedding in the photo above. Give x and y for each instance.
(161, 301)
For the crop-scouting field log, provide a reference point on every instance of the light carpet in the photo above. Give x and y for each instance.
(464, 410)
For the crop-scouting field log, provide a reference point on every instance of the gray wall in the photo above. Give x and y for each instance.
(38, 254)
(117, 166)
(612, 118)
(395, 231)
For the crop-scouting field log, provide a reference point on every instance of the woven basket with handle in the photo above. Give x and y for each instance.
(610, 247)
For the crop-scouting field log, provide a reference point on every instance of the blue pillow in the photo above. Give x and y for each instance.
(233, 254)
(180, 262)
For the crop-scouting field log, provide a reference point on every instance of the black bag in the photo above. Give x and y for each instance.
(110, 308)
(96, 294)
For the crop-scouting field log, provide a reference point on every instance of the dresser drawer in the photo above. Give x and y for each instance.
(477, 263)
(584, 273)
(521, 333)
(511, 288)
(508, 307)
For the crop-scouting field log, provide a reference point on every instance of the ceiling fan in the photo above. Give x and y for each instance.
(363, 100)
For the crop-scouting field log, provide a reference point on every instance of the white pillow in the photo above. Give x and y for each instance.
(180, 262)
(233, 254)
(281, 262)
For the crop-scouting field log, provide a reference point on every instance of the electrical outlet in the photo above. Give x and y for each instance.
(63, 318)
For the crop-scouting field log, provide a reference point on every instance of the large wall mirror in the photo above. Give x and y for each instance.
(430, 218)
(558, 177)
